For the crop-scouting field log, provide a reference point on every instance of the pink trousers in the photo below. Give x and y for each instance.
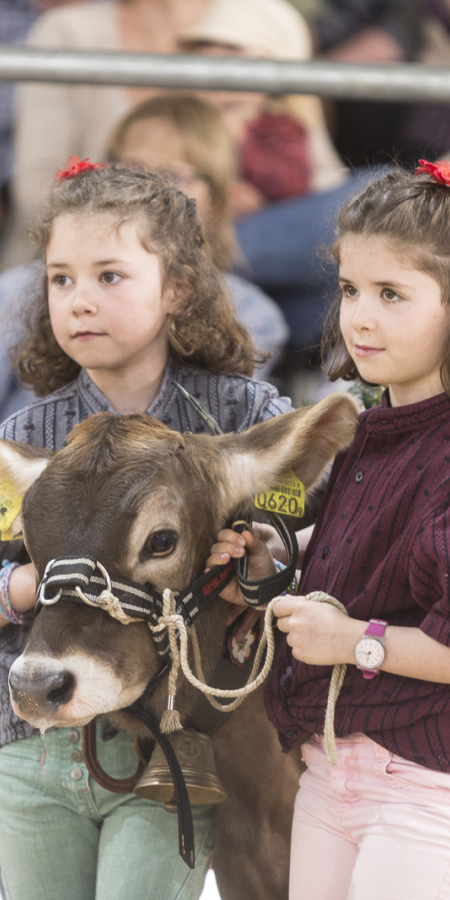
(373, 827)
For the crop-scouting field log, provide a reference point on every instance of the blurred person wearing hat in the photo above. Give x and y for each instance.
(284, 143)
(291, 179)
(55, 121)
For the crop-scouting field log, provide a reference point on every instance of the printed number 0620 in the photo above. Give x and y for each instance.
(279, 503)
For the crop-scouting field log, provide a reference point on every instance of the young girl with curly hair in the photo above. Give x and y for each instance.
(131, 304)
(373, 820)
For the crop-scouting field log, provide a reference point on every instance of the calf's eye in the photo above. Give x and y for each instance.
(161, 543)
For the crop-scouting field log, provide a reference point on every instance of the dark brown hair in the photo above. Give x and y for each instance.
(202, 330)
(413, 213)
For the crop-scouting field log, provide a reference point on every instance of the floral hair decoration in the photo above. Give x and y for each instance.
(74, 166)
(440, 172)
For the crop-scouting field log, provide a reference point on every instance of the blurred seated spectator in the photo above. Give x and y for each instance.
(284, 146)
(186, 138)
(369, 31)
(16, 18)
(55, 121)
(16, 288)
(279, 233)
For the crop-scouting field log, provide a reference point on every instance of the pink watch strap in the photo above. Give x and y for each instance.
(377, 627)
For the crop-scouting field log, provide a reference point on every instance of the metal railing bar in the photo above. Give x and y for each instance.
(403, 82)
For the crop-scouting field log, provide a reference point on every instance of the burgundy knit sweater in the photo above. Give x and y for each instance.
(382, 547)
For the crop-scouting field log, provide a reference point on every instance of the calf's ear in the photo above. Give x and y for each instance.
(305, 440)
(20, 466)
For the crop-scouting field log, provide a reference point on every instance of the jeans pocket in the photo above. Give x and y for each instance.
(27, 751)
(418, 781)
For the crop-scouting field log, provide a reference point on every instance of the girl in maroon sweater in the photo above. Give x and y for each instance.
(376, 825)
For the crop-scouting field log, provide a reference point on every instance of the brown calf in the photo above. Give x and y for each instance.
(147, 503)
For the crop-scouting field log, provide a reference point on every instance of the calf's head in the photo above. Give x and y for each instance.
(147, 503)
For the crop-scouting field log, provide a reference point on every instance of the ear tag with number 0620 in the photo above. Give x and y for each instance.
(287, 498)
(10, 504)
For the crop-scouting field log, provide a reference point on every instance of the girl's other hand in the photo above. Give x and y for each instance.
(231, 545)
(273, 541)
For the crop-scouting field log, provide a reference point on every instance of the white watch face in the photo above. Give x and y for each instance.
(369, 653)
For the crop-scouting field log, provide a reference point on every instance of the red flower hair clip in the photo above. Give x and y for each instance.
(74, 166)
(440, 172)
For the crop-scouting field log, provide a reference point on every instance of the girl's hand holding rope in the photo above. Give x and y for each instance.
(319, 634)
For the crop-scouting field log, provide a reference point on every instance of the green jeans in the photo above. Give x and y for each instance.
(63, 837)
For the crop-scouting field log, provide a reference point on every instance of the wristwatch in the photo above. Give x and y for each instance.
(369, 651)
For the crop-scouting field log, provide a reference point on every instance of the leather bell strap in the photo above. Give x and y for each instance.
(186, 846)
(263, 590)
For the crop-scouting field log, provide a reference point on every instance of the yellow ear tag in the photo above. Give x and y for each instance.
(286, 498)
(10, 504)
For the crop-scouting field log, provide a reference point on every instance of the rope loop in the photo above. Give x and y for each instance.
(179, 647)
(177, 629)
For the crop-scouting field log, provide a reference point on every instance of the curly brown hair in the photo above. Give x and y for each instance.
(413, 213)
(203, 328)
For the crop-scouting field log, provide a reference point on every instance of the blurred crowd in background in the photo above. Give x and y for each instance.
(268, 172)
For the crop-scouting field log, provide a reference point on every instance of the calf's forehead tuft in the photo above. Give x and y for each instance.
(106, 440)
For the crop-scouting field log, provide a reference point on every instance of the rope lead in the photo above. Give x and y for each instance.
(176, 627)
(178, 638)
(337, 678)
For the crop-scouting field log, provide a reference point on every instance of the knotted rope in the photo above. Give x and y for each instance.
(111, 605)
(179, 646)
(177, 629)
(176, 625)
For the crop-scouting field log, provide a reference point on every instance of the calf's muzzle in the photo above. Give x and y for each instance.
(42, 692)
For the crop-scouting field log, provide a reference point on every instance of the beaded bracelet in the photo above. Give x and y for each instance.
(5, 604)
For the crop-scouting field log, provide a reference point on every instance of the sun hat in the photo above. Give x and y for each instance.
(270, 28)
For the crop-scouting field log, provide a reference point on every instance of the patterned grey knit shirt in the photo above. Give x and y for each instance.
(235, 402)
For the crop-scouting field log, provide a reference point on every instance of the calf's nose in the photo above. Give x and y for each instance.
(41, 693)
